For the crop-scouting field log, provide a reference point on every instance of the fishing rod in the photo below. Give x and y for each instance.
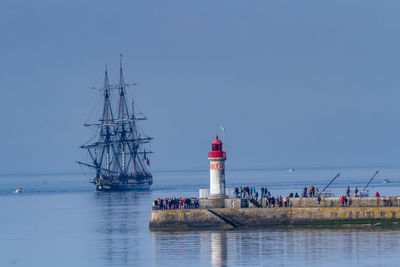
(371, 180)
(337, 175)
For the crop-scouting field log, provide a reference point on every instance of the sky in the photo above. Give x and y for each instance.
(294, 83)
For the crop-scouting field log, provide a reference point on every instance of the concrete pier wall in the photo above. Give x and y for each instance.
(264, 217)
(309, 202)
(352, 202)
(181, 219)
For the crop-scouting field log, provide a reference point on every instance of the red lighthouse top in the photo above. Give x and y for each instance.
(216, 149)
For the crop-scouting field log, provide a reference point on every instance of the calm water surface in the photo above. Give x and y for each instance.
(61, 221)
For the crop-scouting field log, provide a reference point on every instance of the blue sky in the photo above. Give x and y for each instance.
(295, 83)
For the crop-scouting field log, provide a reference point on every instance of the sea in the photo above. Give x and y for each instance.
(60, 220)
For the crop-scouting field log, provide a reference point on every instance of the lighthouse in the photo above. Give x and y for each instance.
(217, 159)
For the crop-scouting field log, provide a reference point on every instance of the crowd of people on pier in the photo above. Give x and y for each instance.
(251, 192)
(262, 198)
(312, 192)
(271, 202)
(175, 203)
(345, 201)
(279, 201)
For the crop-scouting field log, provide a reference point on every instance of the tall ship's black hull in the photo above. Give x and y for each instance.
(118, 151)
(141, 183)
(123, 187)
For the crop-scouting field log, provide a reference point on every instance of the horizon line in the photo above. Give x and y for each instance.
(66, 173)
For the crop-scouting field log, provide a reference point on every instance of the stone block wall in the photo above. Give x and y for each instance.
(265, 217)
(352, 202)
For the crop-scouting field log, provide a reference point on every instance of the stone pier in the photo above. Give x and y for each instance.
(301, 211)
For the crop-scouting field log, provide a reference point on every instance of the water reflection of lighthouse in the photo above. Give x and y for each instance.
(218, 249)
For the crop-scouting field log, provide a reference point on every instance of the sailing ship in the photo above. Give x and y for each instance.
(117, 154)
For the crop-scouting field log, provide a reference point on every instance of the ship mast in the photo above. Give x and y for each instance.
(121, 115)
(106, 112)
(133, 137)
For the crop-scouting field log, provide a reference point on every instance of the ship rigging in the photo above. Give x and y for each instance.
(119, 158)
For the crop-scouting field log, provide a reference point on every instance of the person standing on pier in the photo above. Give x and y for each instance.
(181, 204)
(355, 191)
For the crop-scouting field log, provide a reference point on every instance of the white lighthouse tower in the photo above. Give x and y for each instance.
(217, 159)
